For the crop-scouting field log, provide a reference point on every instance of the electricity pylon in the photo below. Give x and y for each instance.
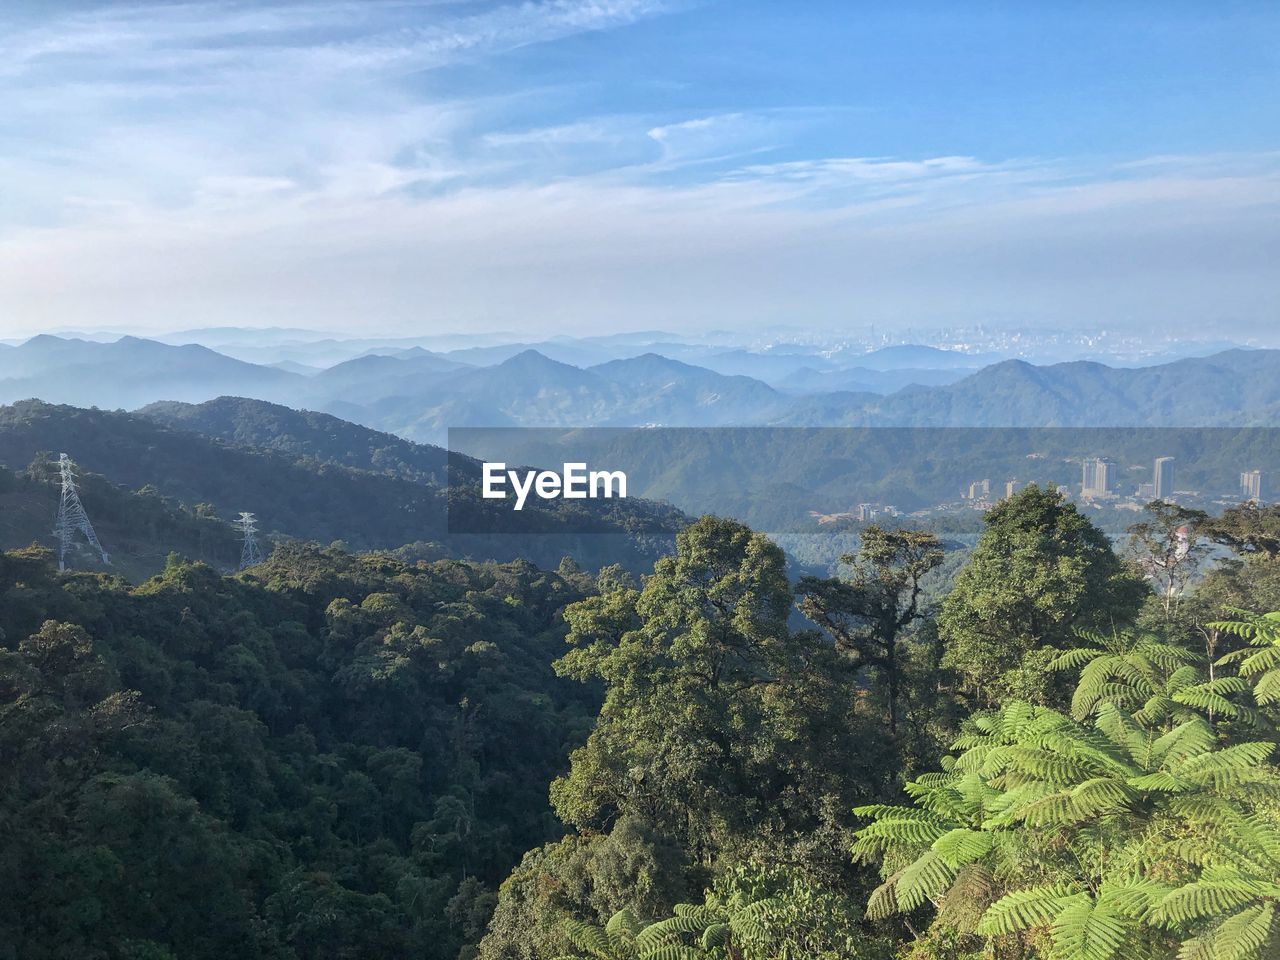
(71, 515)
(250, 552)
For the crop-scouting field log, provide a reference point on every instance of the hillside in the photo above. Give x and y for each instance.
(305, 434)
(321, 500)
(808, 381)
(915, 356)
(671, 392)
(1233, 388)
(333, 756)
(531, 389)
(140, 528)
(377, 376)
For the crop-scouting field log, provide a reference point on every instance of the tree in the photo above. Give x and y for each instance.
(718, 720)
(867, 613)
(724, 737)
(1251, 529)
(1130, 834)
(1260, 662)
(1168, 549)
(749, 914)
(1039, 571)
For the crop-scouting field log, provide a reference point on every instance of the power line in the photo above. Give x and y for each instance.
(72, 516)
(250, 552)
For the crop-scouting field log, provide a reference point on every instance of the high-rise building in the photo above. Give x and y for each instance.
(1251, 485)
(978, 490)
(1011, 487)
(1096, 477)
(1162, 478)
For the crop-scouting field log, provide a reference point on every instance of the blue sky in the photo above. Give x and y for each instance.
(570, 166)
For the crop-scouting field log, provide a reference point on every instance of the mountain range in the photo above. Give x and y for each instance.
(417, 393)
(130, 372)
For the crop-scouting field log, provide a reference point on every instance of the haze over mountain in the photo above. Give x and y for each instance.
(308, 476)
(130, 372)
(419, 393)
(1235, 388)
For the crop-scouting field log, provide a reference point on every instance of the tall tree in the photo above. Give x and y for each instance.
(1169, 549)
(867, 613)
(724, 738)
(717, 718)
(1039, 571)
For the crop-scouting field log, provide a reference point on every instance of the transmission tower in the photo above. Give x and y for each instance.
(71, 515)
(250, 552)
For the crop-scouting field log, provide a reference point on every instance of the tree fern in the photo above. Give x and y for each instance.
(1132, 829)
(1260, 666)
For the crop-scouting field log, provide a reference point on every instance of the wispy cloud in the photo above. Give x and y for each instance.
(304, 162)
(364, 35)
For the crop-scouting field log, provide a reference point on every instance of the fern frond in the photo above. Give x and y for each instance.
(623, 923)
(925, 879)
(1207, 899)
(961, 845)
(882, 903)
(1085, 930)
(1026, 909)
(699, 913)
(716, 935)
(667, 931)
(588, 938)
(1243, 935)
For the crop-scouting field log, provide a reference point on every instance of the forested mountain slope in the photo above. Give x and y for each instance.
(140, 528)
(311, 499)
(330, 757)
(306, 434)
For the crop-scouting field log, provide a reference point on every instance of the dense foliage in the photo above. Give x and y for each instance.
(330, 757)
(1064, 752)
(726, 739)
(1126, 806)
(1142, 830)
(1040, 571)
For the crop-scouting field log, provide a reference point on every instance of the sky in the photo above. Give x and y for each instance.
(590, 166)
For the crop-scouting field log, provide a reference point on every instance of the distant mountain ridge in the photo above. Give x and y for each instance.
(130, 372)
(418, 394)
(1232, 388)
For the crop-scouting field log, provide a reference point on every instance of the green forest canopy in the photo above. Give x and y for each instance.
(340, 756)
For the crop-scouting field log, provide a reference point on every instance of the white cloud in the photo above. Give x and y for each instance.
(589, 254)
(193, 164)
(587, 131)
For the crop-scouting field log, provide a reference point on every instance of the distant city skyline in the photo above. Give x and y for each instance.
(570, 167)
